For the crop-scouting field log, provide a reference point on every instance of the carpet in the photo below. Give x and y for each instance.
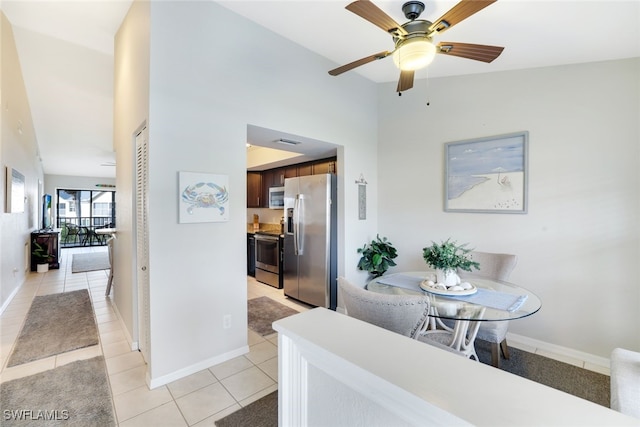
(263, 311)
(261, 413)
(55, 324)
(76, 394)
(90, 262)
(562, 376)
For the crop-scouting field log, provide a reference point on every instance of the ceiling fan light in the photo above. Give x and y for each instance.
(414, 54)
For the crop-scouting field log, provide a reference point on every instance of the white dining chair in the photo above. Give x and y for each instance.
(498, 267)
(403, 314)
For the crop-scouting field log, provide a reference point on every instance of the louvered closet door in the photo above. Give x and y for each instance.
(142, 242)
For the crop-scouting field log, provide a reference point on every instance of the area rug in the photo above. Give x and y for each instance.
(55, 324)
(76, 394)
(263, 311)
(261, 413)
(91, 261)
(562, 376)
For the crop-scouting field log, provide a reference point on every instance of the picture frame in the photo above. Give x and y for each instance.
(15, 191)
(202, 197)
(487, 175)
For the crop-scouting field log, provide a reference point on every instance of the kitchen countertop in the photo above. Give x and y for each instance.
(274, 229)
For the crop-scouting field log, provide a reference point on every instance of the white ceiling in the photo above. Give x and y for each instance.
(66, 53)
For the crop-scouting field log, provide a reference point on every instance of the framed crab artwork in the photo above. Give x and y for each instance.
(203, 197)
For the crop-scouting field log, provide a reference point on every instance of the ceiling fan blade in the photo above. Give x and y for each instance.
(359, 62)
(372, 13)
(478, 52)
(406, 81)
(458, 13)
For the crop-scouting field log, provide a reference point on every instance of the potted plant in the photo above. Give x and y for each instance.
(377, 256)
(42, 256)
(446, 257)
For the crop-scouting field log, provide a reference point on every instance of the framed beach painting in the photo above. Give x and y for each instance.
(203, 197)
(487, 175)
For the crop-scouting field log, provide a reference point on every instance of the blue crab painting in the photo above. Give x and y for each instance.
(205, 195)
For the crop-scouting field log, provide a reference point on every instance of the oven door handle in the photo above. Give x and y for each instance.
(298, 242)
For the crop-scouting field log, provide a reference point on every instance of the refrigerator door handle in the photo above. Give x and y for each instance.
(297, 241)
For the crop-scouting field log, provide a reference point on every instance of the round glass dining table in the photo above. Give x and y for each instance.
(488, 300)
(494, 300)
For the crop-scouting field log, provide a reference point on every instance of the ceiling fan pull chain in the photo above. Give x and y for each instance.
(428, 103)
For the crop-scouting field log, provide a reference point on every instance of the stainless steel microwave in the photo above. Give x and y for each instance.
(276, 198)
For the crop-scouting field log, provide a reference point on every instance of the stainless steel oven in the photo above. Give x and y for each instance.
(268, 259)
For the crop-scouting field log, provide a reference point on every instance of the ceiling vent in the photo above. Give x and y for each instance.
(288, 141)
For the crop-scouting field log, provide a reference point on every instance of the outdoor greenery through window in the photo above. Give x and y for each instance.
(80, 213)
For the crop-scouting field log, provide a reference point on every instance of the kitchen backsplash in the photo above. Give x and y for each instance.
(267, 216)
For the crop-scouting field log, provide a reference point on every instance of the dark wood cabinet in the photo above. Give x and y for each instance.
(49, 242)
(305, 169)
(258, 183)
(324, 166)
(254, 190)
(251, 255)
(290, 172)
(269, 179)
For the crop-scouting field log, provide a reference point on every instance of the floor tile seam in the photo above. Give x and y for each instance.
(194, 390)
(143, 412)
(230, 394)
(166, 403)
(182, 414)
(44, 360)
(254, 394)
(211, 415)
(260, 370)
(14, 342)
(235, 373)
(113, 394)
(267, 374)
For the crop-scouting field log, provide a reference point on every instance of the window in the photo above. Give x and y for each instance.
(86, 208)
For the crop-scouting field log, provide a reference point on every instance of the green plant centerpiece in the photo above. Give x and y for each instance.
(445, 257)
(377, 256)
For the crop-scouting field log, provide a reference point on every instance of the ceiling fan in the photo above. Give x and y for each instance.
(414, 47)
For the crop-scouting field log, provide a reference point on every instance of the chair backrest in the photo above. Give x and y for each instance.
(492, 266)
(404, 314)
(110, 242)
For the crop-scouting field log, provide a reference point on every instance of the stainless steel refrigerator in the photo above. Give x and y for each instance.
(309, 265)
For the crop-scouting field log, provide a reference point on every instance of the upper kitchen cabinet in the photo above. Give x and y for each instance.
(258, 183)
(324, 166)
(254, 190)
(290, 172)
(305, 169)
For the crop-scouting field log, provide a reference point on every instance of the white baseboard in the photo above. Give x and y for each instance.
(197, 367)
(8, 301)
(133, 345)
(559, 350)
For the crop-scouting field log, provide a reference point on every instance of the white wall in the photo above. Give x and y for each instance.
(130, 112)
(204, 89)
(18, 149)
(580, 242)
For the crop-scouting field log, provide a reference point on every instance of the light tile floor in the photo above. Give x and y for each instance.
(197, 400)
